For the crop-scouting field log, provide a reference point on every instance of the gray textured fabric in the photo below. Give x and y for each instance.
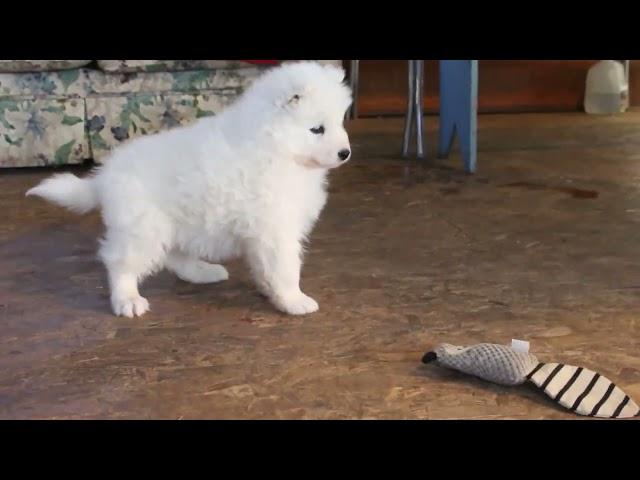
(494, 363)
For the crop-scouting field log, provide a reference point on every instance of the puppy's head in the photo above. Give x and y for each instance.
(311, 102)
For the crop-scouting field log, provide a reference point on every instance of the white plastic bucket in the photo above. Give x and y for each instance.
(607, 90)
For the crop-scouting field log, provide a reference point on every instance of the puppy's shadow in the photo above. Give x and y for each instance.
(59, 262)
(238, 292)
(56, 260)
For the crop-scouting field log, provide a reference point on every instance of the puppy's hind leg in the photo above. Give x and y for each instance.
(194, 270)
(129, 258)
(126, 301)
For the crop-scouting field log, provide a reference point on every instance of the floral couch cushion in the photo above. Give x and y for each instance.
(16, 66)
(112, 119)
(62, 83)
(129, 66)
(179, 81)
(66, 116)
(42, 131)
(83, 82)
(166, 65)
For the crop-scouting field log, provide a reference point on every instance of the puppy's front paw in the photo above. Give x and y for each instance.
(299, 304)
(130, 306)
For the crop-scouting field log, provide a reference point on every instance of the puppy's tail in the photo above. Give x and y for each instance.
(76, 194)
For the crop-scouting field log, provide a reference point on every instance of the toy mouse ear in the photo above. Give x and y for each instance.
(430, 357)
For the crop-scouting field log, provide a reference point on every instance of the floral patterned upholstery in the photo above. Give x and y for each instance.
(78, 112)
(40, 65)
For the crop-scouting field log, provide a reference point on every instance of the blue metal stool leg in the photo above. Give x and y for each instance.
(459, 109)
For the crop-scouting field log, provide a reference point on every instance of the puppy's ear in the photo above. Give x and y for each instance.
(294, 99)
(289, 101)
(336, 72)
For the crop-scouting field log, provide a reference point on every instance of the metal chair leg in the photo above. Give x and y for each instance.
(419, 94)
(354, 83)
(415, 109)
(410, 104)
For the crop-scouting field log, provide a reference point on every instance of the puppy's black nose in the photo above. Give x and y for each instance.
(344, 154)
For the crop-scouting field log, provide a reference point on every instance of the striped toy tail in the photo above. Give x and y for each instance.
(583, 391)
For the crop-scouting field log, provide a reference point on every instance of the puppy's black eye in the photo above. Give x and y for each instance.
(318, 130)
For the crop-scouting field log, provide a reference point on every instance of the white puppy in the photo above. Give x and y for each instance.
(248, 182)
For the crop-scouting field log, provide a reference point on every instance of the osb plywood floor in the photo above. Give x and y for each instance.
(543, 244)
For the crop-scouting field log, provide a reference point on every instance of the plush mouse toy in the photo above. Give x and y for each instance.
(575, 388)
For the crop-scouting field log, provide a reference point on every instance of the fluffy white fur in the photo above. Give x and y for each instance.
(249, 182)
